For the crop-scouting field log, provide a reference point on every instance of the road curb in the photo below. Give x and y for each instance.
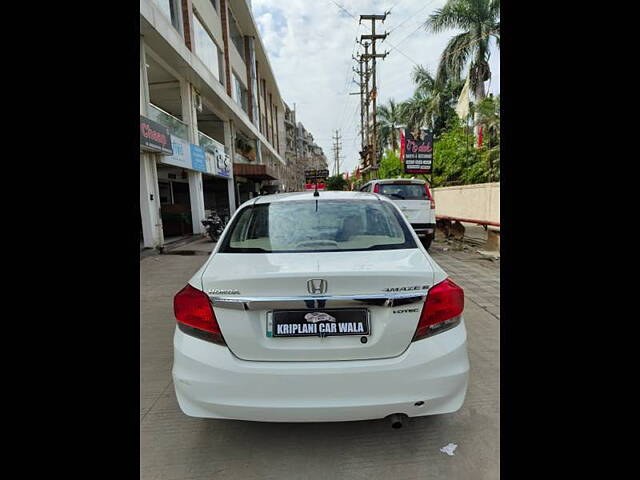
(150, 252)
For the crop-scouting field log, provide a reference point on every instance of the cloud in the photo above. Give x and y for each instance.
(310, 44)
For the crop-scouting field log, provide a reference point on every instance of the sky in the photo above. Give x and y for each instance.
(310, 44)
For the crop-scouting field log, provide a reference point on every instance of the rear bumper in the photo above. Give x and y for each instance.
(424, 228)
(211, 382)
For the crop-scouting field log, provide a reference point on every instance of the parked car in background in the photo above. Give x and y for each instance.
(414, 199)
(320, 308)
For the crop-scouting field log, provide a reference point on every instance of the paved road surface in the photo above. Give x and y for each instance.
(174, 446)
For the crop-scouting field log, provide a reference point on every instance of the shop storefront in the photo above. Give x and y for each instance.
(155, 143)
(193, 181)
(217, 180)
(180, 186)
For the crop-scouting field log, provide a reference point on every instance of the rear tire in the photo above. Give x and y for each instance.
(426, 241)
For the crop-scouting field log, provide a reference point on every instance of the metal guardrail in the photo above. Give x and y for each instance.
(176, 126)
(468, 220)
(205, 141)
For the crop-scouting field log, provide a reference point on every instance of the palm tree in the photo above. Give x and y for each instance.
(418, 111)
(432, 103)
(480, 21)
(388, 118)
(489, 116)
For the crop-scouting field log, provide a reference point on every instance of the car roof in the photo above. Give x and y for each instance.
(322, 195)
(404, 180)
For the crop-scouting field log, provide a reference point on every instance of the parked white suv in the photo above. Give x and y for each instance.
(319, 308)
(414, 199)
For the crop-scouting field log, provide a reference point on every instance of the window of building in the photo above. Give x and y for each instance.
(236, 35)
(277, 132)
(238, 92)
(171, 11)
(206, 49)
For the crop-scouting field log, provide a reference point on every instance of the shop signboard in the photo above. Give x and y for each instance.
(181, 156)
(416, 150)
(218, 162)
(198, 159)
(312, 174)
(212, 160)
(155, 137)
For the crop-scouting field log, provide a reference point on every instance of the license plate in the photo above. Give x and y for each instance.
(319, 323)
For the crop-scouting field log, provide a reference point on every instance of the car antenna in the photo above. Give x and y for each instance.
(315, 193)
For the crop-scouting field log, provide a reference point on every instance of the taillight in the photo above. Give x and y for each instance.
(430, 197)
(376, 188)
(195, 316)
(442, 309)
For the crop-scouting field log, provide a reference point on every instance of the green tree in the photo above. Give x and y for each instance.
(432, 105)
(488, 115)
(390, 165)
(457, 162)
(336, 182)
(388, 118)
(480, 21)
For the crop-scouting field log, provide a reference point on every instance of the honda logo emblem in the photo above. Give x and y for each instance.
(317, 286)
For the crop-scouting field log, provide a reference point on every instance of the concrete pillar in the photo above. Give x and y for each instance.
(144, 83)
(252, 79)
(189, 114)
(229, 148)
(150, 202)
(196, 196)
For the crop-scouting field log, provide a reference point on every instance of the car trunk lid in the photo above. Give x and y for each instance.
(389, 284)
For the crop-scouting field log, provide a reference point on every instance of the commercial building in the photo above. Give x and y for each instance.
(212, 120)
(310, 155)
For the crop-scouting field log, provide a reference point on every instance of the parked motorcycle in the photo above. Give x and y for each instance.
(214, 225)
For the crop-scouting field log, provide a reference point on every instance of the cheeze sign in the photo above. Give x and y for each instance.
(416, 150)
(154, 136)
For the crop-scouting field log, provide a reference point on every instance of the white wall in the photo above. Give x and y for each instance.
(475, 202)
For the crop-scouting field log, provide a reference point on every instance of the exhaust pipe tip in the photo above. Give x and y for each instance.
(397, 420)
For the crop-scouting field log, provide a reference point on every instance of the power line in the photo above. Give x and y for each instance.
(344, 110)
(393, 47)
(344, 9)
(410, 16)
(414, 31)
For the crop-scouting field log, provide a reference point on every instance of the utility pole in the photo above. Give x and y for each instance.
(361, 93)
(364, 93)
(367, 93)
(336, 150)
(374, 93)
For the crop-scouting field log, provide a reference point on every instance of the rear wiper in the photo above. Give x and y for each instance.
(395, 195)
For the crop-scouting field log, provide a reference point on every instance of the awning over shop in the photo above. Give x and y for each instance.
(254, 172)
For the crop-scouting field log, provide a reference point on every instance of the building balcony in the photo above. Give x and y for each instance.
(255, 172)
(176, 127)
(209, 143)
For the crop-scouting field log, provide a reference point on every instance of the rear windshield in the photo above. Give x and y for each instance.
(404, 191)
(317, 226)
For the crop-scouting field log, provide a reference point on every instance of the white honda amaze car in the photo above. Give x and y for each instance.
(319, 308)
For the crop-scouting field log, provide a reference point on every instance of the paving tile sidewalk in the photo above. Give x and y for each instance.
(478, 275)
